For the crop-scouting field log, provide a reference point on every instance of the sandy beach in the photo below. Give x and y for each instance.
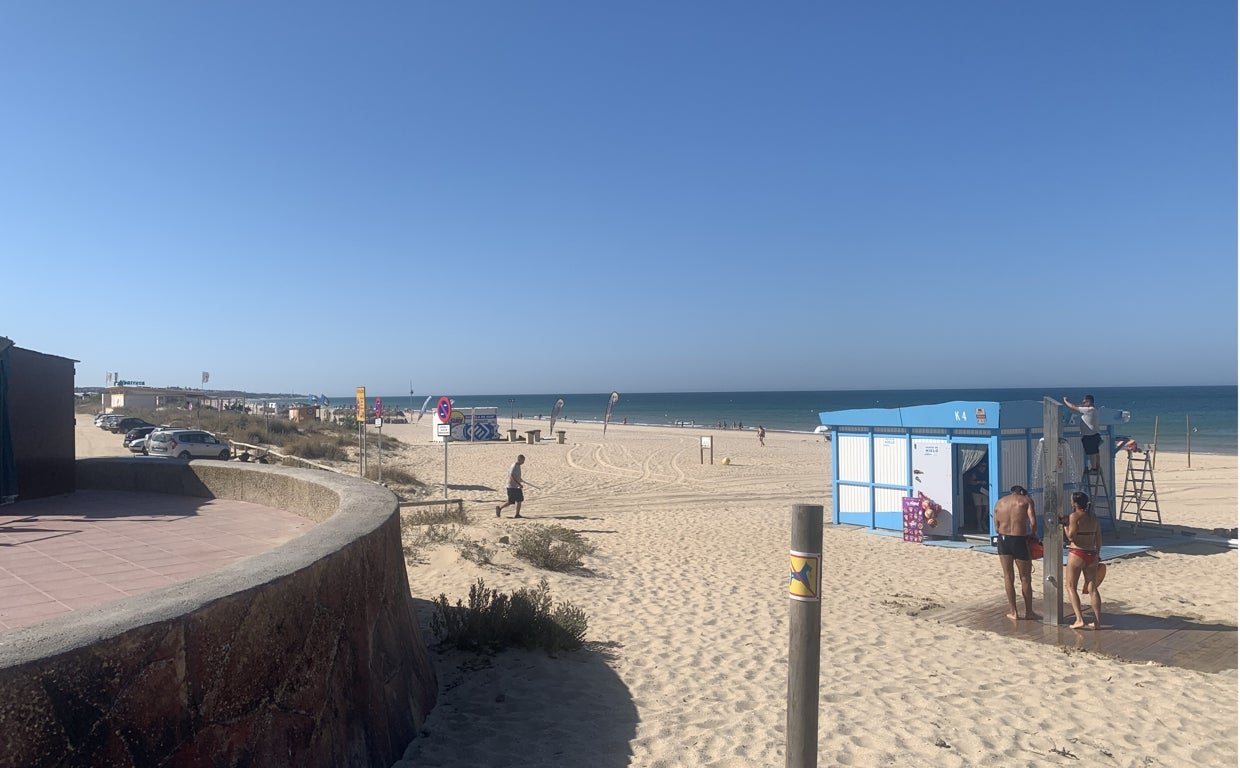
(686, 661)
(686, 655)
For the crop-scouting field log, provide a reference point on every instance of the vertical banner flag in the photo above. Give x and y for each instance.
(610, 403)
(314, 400)
(555, 411)
(425, 403)
(361, 404)
(205, 378)
(323, 399)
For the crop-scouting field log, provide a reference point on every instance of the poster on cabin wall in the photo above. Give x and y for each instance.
(932, 480)
(914, 520)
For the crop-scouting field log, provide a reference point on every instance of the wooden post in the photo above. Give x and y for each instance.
(1052, 505)
(804, 636)
(1188, 439)
(1154, 453)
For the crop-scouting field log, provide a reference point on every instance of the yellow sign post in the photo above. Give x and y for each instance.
(804, 636)
(361, 431)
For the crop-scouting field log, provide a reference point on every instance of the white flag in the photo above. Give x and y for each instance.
(555, 411)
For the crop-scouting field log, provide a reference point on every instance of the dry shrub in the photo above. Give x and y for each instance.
(493, 621)
(553, 547)
(474, 551)
(391, 475)
(430, 515)
(315, 448)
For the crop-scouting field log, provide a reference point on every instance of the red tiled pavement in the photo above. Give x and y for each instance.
(92, 547)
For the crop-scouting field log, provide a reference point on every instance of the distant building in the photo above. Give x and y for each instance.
(125, 397)
(303, 413)
(36, 424)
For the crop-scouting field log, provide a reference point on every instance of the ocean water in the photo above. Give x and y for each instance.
(1202, 419)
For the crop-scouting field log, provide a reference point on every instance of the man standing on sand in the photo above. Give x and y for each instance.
(1016, 523)
(761, 436)
(1090, 439)
(516, 494)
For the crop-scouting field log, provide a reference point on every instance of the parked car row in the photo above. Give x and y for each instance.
(119, 422)
(140, 436)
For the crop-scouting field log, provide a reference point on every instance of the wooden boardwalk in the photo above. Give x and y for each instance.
(1173, 641)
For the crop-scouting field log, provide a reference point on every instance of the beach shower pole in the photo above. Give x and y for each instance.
(1052, 509)
(804, 636)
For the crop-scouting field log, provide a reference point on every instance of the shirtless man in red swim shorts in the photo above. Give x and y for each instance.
(1016, 523)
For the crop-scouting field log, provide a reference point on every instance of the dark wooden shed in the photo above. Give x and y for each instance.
(36, 424)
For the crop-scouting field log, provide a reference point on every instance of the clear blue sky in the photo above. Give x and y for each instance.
(531, 197)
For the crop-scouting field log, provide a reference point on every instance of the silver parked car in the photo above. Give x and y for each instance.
(186, 444)
(108, 419)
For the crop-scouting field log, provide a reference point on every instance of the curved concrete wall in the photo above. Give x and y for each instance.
(307, 655)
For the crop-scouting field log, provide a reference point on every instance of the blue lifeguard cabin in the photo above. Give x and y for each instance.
(960, 456)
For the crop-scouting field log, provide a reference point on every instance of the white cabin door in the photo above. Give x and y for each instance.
(932, 475)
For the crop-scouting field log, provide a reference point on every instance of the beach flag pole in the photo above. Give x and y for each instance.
(804, 636)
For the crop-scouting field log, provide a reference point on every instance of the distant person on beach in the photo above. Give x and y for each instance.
(1090, 439)
(1084, 534)
(977, 484)
(1016, 523)
(515, 487)
(761, 435)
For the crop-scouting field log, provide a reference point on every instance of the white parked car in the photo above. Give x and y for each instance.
(186, 444)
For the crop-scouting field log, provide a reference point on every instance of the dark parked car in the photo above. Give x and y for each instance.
(129, 422)
(135, 439)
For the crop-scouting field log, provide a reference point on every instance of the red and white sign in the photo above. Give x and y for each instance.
(444, 410)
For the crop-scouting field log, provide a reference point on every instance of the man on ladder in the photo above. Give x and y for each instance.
(1090, 439)
(1093, 477)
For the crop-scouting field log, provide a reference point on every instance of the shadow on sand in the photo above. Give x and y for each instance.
(525, 708)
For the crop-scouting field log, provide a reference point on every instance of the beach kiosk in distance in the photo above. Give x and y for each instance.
(952, 462)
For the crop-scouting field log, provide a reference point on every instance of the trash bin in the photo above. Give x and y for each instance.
(512, 435)
(559, 436)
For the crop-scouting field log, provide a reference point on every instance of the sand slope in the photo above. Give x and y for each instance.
(688, 638)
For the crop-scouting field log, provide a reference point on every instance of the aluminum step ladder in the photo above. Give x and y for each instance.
(1140, 499)
(1099, 495)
